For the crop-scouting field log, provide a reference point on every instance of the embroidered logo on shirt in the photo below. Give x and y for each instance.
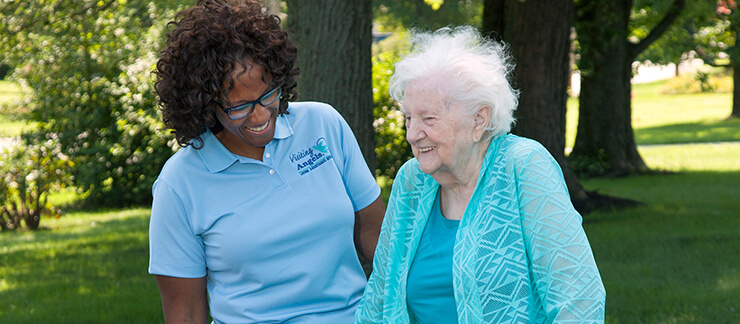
(311, 158)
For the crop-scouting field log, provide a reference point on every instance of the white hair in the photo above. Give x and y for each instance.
(475, 71)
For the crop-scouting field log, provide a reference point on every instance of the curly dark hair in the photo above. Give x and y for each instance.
(207, 43)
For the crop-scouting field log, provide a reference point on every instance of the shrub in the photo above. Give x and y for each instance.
(701, 82)
(29, 174)
(91, 85)
(391, 147)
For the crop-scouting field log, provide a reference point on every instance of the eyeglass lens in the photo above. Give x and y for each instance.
(246, 109)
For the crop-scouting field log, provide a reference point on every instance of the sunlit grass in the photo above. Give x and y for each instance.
(81, 268)
(9, 93)
(665, 119)
(693, 157)
(13, 128)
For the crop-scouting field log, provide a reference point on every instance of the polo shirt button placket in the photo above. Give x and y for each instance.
(272, 171)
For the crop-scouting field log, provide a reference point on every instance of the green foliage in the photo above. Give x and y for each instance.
(90, 84)
(585, 167)
(594, 23)
(29, 174)
(428, 14)
(391, 147)
(701, 28)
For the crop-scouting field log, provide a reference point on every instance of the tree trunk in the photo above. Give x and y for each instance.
(539, 35)
(605, 143)
(334, 47)
(735, 82)
(605, 137)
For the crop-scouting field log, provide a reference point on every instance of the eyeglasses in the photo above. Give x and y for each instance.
(246, 109)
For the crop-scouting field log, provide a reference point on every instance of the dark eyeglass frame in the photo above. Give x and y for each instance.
(250, 105)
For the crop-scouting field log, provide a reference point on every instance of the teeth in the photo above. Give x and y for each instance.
(426, 149)
(258, 129)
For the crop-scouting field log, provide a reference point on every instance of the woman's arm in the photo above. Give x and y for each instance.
(561, 261)
(367, 228)
(183, 299)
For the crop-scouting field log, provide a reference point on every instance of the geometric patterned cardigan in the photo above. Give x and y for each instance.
(520, 254)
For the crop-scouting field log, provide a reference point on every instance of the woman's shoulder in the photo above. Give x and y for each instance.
(516, 147)
(174, 165)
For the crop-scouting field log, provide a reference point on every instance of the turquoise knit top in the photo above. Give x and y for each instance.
(520, 253)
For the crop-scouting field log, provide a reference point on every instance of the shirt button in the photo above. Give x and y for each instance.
(272, 171)
(267, 155)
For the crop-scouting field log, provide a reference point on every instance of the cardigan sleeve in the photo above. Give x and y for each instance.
(562, 267)
(372, 303)
(379, 303)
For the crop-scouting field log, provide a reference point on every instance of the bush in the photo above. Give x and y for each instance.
(29, 174)
(701, 82)
(391, 147)
(91, 85)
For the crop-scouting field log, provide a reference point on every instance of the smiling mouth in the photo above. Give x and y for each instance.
(426, 149)
(258, 128)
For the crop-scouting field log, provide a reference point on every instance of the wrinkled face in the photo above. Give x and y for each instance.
(249, 135)
(440, 134)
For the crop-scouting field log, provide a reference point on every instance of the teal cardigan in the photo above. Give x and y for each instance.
(520, 255)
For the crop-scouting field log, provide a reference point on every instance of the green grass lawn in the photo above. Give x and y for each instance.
(672, 260)
(664, 119)
(10, 92)
(86, 267)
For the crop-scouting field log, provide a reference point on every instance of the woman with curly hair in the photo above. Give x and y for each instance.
(259, 217)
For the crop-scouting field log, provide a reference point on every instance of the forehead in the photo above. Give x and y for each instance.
(249, 73)
(425, 96)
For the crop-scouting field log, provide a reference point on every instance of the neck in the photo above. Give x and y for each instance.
(238, 147)
(456, 188)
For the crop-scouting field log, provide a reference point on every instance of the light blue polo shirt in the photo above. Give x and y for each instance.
(273, 237)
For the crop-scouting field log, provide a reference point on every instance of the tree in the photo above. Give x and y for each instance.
(87, 64)
(393, 14)
(334, 46)
(708, 30)
(679, 39)
(729, 12)
(539, 35)
(605, 136)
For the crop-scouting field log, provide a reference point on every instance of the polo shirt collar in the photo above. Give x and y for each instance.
(214, 154)
(217, 157)
(283, 129)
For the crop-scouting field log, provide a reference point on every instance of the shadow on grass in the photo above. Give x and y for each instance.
(699, 132)
(671, 260)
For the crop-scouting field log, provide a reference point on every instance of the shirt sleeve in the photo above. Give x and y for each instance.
(174, 249)
(563, 268)
(358, 178)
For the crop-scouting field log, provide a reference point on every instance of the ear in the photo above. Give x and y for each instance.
(482, 117)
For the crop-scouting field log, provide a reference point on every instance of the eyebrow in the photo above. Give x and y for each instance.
(241, 102)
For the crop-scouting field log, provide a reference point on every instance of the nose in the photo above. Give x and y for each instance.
(413, 132)
(262, 113)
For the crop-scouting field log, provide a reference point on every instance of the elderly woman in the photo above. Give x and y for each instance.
(258, 219)
(479, 226)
